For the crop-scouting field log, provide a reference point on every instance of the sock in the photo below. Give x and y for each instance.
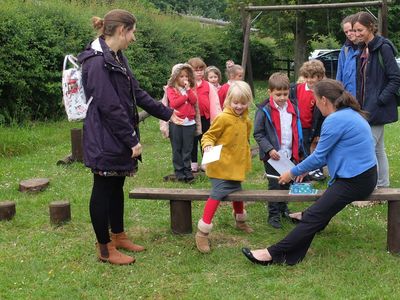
(238, 207)
(209, 210)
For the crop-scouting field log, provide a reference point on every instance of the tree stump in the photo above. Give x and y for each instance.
(60, 212)
(33, 185)
(76, 144)
(7, 210)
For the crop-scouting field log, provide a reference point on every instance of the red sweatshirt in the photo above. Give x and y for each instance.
(203, 95)
(306, 103)
(222, 92)
(184, 104)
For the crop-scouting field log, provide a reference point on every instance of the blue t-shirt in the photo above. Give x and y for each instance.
(346, 146)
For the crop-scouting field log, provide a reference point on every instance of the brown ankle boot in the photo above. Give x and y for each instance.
(201, 237)
(108, 253)
(241, 224)
(121, 241)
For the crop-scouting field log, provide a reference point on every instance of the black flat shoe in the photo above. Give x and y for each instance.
(249, 256)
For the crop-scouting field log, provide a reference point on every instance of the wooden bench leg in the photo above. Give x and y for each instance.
(181, 216)
(393, 227)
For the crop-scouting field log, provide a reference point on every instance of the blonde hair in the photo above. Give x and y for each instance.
(232, 70)
(239, 90)
(312, 68)
(112, 20)
(215, 70)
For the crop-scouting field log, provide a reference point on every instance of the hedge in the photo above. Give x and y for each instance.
(35, 36)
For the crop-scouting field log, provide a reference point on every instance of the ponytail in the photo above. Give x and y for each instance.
(334, 91)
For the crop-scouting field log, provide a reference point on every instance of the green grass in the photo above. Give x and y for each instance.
(348, 260)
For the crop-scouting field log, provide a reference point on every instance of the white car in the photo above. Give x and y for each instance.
(318, 52)
(398, 61)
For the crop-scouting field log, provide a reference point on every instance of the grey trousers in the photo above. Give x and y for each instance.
(378, 132)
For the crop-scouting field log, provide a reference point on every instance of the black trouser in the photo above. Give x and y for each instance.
(205, 125)
(306, 141)
(293, 248)
(107, 206)
(181, 138)
(275, 208)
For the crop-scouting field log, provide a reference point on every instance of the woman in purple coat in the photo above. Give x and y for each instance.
(110, 132)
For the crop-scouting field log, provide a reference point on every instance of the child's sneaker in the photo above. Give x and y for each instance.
(275, 222)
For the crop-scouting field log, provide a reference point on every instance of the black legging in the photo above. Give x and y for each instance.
(107, 206)
(293, 248)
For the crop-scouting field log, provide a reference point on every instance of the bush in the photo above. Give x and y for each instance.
(34, 39)
(36, 35)
(262, 58)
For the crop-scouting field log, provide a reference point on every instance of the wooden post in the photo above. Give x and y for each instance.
(76, 144)
(383, 19)
(7, 210)
(393, 227)
(60, 212)
(246, 38)
(181, 216)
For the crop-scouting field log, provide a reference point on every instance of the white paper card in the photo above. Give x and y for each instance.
(212, 155)
(282, 165)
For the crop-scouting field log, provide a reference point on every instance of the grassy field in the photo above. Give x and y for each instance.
(348, 260)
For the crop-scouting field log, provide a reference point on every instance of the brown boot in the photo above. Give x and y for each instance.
(241, 224)
(202, 241)
(121, 241)
(108, 253)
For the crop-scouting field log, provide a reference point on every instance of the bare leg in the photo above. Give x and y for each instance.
(296, 215)
(262, 254)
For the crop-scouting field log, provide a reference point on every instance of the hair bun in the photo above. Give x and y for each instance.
(98, 23)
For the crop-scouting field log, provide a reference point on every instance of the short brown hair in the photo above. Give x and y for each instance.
(278, 81)
(312, 68)
(112, 20)
(197, 62)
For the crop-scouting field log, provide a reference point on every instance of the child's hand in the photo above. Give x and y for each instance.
(207, 148)
(187, 85)
(137, 150)
(274, 154)
(175, 119)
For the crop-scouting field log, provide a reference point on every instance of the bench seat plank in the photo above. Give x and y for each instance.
(388, 194)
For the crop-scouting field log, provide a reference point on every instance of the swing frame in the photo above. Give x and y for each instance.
(246, 22)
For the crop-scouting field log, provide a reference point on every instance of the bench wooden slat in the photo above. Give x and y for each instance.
(181, 200)
(388, 194)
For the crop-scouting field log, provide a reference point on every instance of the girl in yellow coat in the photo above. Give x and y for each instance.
(231, 129)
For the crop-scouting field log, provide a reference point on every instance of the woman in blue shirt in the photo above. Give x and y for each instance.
(346, 146)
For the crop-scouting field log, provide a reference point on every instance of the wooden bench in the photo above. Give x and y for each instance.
(181, 205)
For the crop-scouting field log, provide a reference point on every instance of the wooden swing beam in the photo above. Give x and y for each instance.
(247, 10)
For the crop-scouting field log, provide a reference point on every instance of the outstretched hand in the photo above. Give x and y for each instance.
(175, 119)
(288, 177)
(136, 150)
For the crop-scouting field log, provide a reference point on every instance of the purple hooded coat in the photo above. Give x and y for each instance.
(110, 128)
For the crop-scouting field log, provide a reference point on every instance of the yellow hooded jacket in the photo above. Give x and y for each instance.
(233, 133)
